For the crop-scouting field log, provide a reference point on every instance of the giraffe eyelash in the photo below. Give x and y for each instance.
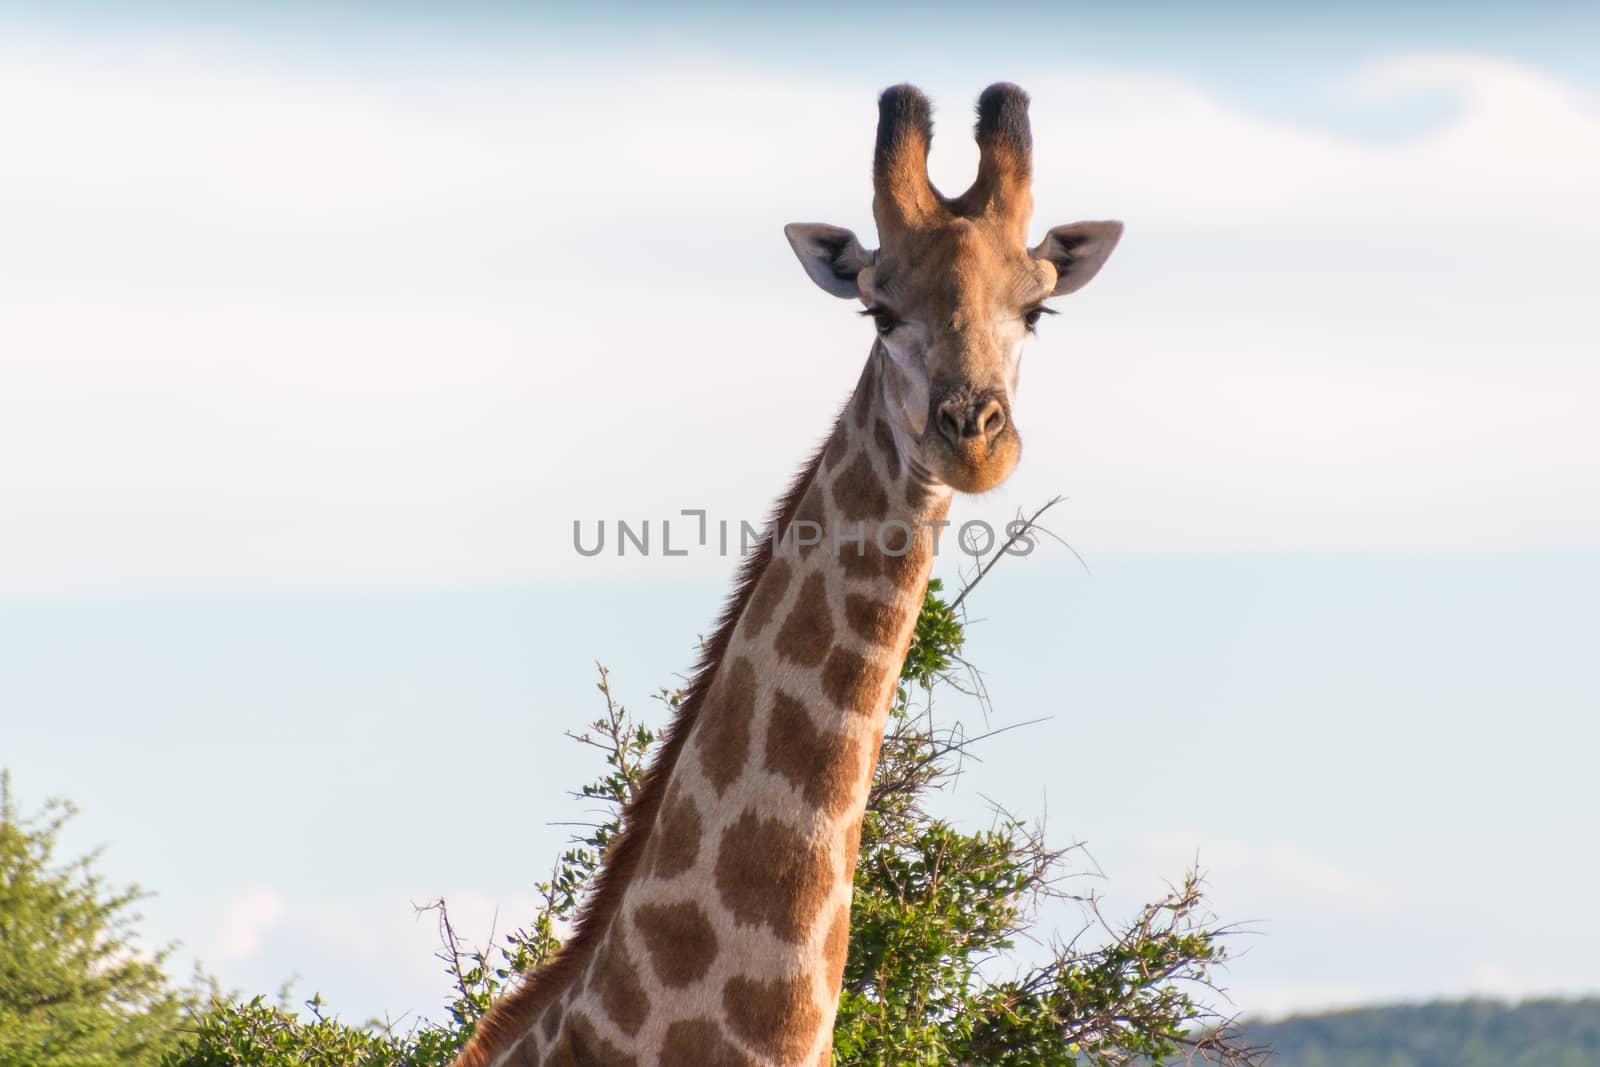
(886, 319)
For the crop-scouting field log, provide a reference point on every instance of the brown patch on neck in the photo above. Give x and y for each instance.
(676, 842)
(866, 386)
(891, 452)
(776, 1017)
(724, 744)
(700, 1041)
(836, 946)
(807, 633)
(680, 940)
(584, 1047)
(797, 749)
(615, 978)
(858, 494)
(514, 1012)
(767, 873)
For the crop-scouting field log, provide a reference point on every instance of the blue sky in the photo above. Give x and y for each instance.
(319, 327)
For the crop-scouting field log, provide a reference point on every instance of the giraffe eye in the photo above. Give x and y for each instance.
(884, 319)
(1030, 318)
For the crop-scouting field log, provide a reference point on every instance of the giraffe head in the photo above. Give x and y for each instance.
(953, 287)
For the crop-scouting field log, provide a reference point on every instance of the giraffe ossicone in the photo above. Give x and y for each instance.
(717, 931)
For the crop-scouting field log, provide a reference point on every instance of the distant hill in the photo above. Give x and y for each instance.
(1468, 1033)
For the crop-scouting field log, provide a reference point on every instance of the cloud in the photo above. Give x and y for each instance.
(393, 931)
(1274, 1000)
(1522, 149)
(1317, 878)
(269, 323)
(1299, 880)
(246, 918)
(367, 953)
(1491, 979)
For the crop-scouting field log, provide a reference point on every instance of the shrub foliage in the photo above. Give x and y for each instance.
(74, 987)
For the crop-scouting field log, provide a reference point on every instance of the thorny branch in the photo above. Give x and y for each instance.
(1030, 524)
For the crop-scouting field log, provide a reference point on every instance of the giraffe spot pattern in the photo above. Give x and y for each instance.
(850, 682)
(908, 561)
(679, 939)
(899, 539)
(857, 493)
(700, 1043)
(676, 842)
(581, 1046)
(836, 946)
(561, 1053)
(862, 402)
(526, 1053)
(838, 445)
(779, 1018)
(807, 530)
(908, 556)
(871, 620)
(723, 732)
(766, 598)
(909, 547)
(827, 767)
(615, 982)
(852, 845)
(768, 873)
(807, 633)
(884, 437)
(860, 563)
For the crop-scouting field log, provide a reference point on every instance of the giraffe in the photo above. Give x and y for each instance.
(717, 930)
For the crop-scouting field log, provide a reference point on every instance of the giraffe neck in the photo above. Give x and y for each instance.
(725, 942)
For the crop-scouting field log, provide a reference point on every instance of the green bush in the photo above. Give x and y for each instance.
(75, 990)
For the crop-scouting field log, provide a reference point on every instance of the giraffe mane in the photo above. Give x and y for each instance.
(510, 1015)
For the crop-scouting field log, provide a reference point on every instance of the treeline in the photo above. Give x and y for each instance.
(1465, 1033)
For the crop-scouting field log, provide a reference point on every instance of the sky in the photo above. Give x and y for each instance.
(320, 326)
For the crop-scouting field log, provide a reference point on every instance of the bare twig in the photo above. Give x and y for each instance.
(1028, 525)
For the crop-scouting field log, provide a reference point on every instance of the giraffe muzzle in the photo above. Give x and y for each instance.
(977, 445)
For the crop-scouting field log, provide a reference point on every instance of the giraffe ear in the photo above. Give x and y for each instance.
(1077, 252)
(830, 254)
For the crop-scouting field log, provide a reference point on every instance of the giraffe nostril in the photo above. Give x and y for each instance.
(949, 420)
(990, 420)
